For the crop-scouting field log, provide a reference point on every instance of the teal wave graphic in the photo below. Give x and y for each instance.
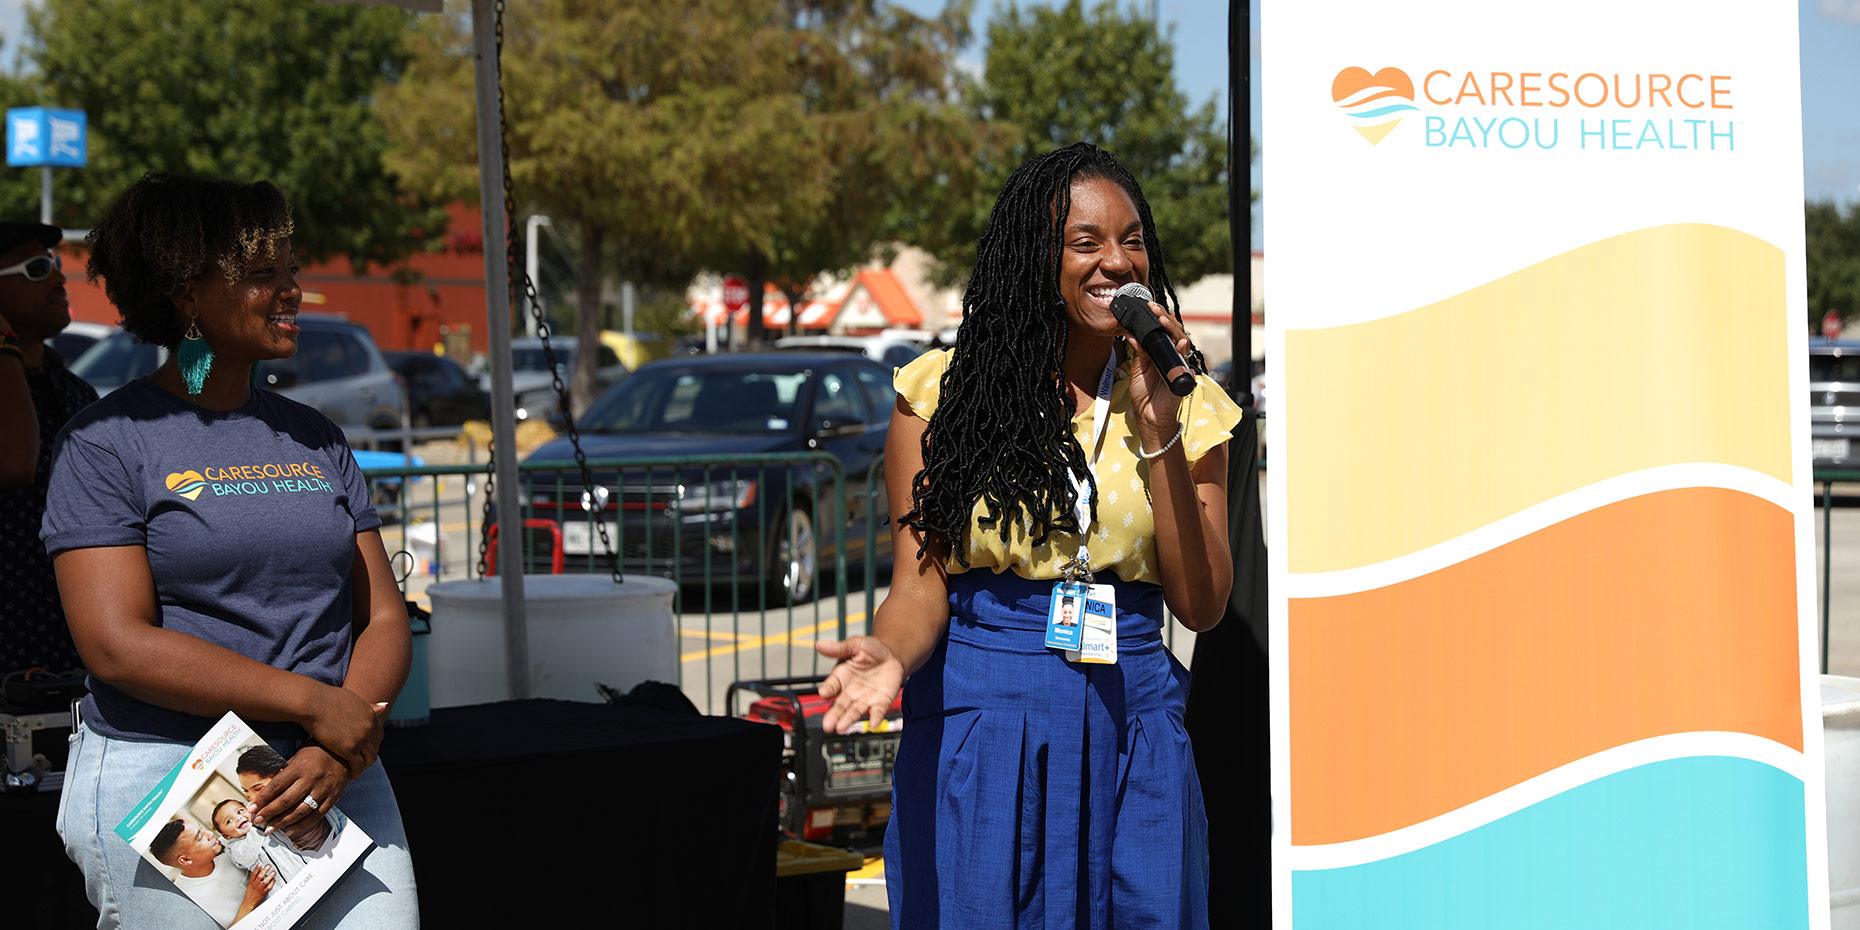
(190, 486)
(1384, 111)
(1705, 843)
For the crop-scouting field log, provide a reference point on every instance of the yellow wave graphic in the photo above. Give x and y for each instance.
(1656, 347)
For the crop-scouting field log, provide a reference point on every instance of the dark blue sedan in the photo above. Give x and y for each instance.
(739, 517)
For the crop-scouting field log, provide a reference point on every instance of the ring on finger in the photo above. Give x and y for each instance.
(311, 803)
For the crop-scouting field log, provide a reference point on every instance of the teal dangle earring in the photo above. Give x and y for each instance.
(195, 356)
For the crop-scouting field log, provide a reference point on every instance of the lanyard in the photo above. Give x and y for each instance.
(1080, 565)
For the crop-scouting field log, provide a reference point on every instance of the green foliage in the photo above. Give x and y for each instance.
(664, 312)
(883, 98)
(778, 134)
(240, 89)
(1104, 75)
(669, 125)
(1833, 262)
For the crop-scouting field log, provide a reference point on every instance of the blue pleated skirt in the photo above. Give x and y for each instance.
(1031, 793)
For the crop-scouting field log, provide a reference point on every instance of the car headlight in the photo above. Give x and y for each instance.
(729, 494)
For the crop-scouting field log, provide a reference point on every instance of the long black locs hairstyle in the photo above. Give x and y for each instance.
(1001, 435)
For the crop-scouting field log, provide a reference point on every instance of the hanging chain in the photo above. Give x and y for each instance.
(591, 502)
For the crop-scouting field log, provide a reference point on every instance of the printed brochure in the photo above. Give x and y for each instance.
(195, 828)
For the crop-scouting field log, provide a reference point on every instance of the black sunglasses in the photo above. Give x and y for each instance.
(36, 268)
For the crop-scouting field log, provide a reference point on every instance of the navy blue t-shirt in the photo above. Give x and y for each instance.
(249, 519)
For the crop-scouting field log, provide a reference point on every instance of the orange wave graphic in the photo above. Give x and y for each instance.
(1669, 613)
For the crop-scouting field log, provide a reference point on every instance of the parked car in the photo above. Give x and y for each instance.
(532, 384)
(893, 349)
(439, 392)
(337, 369)
(1834, 403)
(772, 524)
(77, 338)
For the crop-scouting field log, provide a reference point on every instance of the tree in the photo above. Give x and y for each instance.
(649, 132)
(1065, 73)
(1833, 262)
(880, 92)
(235, 89)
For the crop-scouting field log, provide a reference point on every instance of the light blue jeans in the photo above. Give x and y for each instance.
(106, 777)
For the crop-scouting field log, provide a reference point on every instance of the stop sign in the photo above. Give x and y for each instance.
(735, 293)
(1831, 326)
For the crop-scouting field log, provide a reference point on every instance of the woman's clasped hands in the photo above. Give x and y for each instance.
(345, 732)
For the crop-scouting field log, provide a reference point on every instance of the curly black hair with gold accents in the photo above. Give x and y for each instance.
(167, 229)
(1001, 436)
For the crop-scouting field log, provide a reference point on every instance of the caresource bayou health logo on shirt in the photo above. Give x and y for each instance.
(230, 481)
(1667, 111)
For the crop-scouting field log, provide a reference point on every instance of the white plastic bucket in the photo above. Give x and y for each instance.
(582, 629)
(1840, 727)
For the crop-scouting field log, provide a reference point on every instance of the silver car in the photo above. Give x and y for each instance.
(337, 369)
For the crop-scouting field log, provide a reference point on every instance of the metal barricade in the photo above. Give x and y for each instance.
(752, 541)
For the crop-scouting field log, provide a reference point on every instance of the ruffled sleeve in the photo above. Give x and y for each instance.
(920, 382)
(1208, 418)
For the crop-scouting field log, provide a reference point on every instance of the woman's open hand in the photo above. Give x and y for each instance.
(863, 684)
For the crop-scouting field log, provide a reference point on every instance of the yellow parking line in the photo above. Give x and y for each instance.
(713, 634)
(753, 642)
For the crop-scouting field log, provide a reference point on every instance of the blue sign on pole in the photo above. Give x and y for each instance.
(46, 136)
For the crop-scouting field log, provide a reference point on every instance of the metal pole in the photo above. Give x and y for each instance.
(497, 311)
(1239, 189)
(45, 194)
(529, 265)
(1827, 563)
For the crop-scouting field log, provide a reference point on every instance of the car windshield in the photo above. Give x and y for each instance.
(532, 359)
(115, 361)
(722, 400)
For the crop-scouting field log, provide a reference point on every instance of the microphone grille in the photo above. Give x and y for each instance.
(1133, 289)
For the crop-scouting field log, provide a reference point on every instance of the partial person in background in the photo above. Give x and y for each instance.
(37, 396)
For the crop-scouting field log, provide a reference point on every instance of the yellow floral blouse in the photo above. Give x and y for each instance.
(1123, 540)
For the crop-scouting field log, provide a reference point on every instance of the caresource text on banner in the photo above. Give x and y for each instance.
(1543, 636)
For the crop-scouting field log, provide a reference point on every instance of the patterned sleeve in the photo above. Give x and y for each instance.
(1208, 418)
(920, 381)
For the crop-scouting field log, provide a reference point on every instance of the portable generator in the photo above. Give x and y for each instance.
(836, 788)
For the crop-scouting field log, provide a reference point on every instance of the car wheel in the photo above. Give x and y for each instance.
(794, 559)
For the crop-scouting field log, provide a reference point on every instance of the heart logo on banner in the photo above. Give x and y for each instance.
(1375, 103)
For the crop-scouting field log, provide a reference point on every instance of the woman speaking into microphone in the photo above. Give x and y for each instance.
(1041, 466)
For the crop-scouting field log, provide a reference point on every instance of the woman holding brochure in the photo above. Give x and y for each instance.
(216, 550)
(1042, 467)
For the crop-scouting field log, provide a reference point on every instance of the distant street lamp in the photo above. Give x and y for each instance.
(529, 269)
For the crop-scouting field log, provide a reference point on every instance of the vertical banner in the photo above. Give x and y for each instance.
(1542, 555)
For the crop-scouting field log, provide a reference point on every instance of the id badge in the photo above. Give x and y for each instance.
(1065, 617)
(1098, 636)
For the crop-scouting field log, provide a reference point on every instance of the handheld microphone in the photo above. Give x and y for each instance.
(1131, 306)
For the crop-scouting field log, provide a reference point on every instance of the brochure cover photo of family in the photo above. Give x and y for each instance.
(196, 828)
